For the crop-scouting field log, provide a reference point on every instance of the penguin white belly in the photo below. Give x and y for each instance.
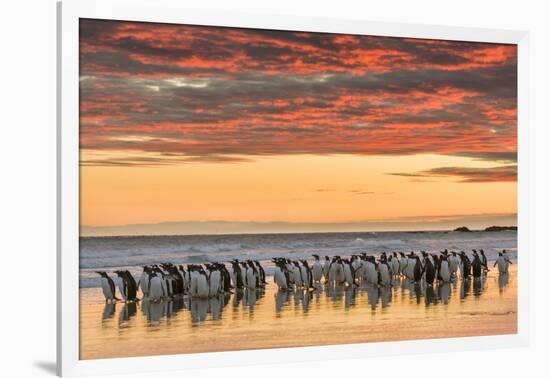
(384, 274)
(453, 265)
(332, 273)
(444, 271)
(395, 266)
(372, 276)
(326, 269)
(502, 265)
(402, 266)
(202, 286)
(250, 279)
(317, 271)
(411, 263)
(156, 291)
(107, 292)
(215, 279)
(347, 274)
(280, 279)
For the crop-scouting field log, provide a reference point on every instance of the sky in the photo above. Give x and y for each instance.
(195, 125)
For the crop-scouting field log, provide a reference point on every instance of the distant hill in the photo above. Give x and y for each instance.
(501, 228)
(462, 229)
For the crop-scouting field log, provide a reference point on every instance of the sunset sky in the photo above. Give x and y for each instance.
(200, 124)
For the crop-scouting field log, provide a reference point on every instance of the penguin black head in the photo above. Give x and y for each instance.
(102, 274)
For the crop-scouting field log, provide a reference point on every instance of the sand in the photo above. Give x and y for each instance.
(272, 319)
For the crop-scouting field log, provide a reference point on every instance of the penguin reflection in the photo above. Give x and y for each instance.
(349, 297)
(429, 296)
(372, 294)
(478, 286)
(282, 298)
(108, 311)
(385, 296)
(128, 311)
(464, 288)
(445, 292)
(502, 281)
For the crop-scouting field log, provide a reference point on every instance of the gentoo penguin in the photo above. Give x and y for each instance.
(108, 287)
(418, 270)
(453, 264)
(156, 287)
(348, 272)
(326, 268)
(237, 276)
(370, 270)
(444, 271)
(384, 273)
(429, 269)
(251, 276)
(411, 262)
(127, 285)
(395, 264)
(261, 272)
(144, 281)
(465, 265)
(297, 274)
(317, 270)
(203, 287)
(339, 276)
(308, 275)
(279, 276)
(214, 280)
(483, 260)
(402, 264)
(502, 263)
(476, 266)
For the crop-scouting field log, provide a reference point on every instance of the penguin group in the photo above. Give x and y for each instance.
(158, 282)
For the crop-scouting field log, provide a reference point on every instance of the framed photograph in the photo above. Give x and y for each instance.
(238, 188)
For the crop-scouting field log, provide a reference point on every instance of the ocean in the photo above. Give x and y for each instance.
(132, 252)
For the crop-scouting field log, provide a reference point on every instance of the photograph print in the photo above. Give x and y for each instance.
(252, 189)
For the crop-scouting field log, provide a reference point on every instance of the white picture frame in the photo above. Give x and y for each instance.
(164, 11)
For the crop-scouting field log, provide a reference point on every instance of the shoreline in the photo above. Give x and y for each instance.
(277, 320)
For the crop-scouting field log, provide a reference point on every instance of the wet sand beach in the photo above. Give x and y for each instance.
(272, 319)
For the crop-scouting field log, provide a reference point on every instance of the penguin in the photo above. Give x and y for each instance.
(261, 271)
(402, 264)
(144, 281)
(429, 270)
(483, 260)
(444, 271)
(465, 265)
(395, 264)
(348, 273)
(370, 271)
(502, 263)
(156, 287)
(476, 266)
(251, 277)
(122, 284)
(307, 274)
(384, 273)
(297, 274)
(317, 270)
(203, 285)
(339, 276)
(411, 262)
(214, 280)
(279, 276)
(418, 270)
(326, 268)
(108, 287)
(453, 264)
(238, 281)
